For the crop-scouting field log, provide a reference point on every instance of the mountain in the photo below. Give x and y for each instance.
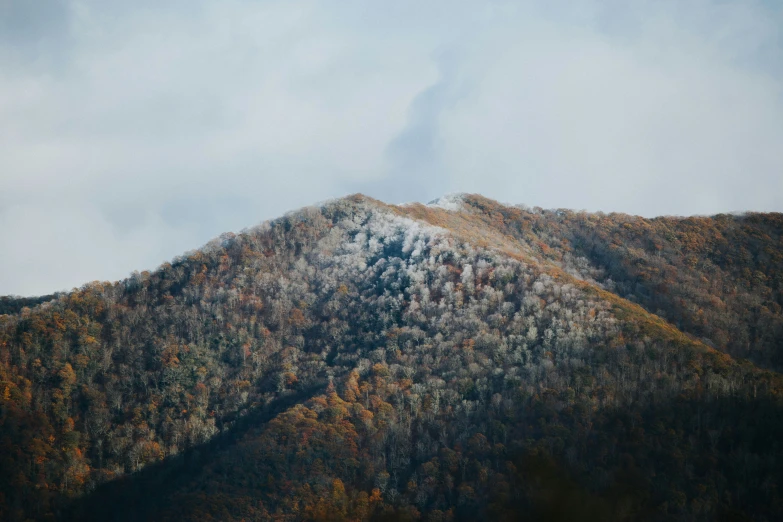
(452, 361)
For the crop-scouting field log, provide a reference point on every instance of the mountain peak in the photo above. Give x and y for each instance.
(355, 359)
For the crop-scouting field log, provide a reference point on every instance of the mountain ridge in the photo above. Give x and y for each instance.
(432, 329)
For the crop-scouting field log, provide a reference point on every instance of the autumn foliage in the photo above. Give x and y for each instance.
(360, 361)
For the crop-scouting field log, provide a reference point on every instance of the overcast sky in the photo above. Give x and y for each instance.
(131, 132)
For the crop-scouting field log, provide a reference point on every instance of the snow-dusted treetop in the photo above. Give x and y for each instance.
(451, 202)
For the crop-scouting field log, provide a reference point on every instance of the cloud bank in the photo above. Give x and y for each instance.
(131, 132)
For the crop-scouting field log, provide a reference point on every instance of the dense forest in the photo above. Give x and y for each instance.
(453, 361)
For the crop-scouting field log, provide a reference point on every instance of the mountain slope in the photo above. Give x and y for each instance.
(361, 360)
(718, 278)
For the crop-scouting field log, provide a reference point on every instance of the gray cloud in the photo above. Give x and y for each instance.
(24, 25)
(415, 167)
(131, 132)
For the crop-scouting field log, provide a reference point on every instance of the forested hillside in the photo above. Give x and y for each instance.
(461, 360)
(719, 278)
